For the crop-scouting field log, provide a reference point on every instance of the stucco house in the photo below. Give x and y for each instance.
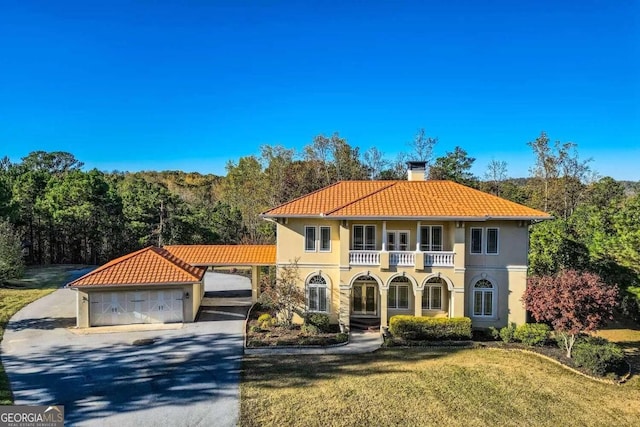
(368, 250)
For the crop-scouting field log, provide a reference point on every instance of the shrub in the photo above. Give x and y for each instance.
(310, 329)
(507, 333)
(598, 359)
(266, 321)
(532, 334)
(429, 328)
(495, 333)
(255, 328)
(342, 337)
(630, 306)
(319, 320)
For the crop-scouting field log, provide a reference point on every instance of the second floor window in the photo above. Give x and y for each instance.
(364, 237)
(431, 238)
(314, 239)
(398, 240)
(484, 240)
(310, 239)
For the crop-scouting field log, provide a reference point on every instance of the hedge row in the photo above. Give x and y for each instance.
(429, 328)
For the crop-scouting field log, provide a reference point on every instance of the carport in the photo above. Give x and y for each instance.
(254, 256)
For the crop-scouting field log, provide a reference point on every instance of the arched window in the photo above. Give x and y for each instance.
(483, 298)
(432, 294)
(317, 294)
(399, 293)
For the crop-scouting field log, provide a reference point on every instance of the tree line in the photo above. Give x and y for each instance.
(57, 212)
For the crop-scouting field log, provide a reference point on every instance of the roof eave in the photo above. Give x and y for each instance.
(130, 285)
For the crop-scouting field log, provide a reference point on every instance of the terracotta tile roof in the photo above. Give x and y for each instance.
(388, 199)
(148, 266)
(225, 254)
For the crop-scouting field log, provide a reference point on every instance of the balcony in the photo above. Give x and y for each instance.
(402, 258)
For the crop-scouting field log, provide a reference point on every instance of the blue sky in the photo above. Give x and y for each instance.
(191, 84)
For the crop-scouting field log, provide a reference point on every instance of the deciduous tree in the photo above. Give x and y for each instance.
(572, 302)
(284, 293)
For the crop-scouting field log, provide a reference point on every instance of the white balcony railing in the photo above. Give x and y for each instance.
(402, 258)
(364, 258)
(438, 259)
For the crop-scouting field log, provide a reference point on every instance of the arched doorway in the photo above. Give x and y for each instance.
(364, 297)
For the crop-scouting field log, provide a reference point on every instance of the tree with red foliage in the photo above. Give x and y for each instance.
(572, 301)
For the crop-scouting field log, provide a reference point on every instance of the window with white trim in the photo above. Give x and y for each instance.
(325, 239)
(492, 241)
(310, 239)
(476, 240)
(484, 240)
(483, 298)
(314, 239)
(397, 240)
(431, 238)
(432, 294)
(317, 294)
(364, 237)
(398, 296)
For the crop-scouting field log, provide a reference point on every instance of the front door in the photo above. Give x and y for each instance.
(364, 299)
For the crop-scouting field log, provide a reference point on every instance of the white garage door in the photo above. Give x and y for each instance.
(125, 308)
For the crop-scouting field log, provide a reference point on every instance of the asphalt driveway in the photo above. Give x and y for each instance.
(182, 377)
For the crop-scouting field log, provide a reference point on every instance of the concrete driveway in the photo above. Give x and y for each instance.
(186, 377)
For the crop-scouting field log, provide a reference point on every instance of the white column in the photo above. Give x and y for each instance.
(418, 236)
(384, 236)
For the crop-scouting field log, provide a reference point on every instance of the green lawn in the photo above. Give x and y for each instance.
(421, 387)
(37, 283)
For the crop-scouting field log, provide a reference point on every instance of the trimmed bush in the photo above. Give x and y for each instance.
(266, 321)
(532, 334)
(342, 337)
(319, 320)
(599, 359)
(429, 328)
(310, 329)
(507, 333)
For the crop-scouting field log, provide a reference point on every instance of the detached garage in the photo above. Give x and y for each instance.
(147, 286)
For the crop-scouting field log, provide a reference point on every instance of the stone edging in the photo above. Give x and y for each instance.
(285, 347)
(569, 368)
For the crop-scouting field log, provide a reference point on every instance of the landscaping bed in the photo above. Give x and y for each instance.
(263, 330)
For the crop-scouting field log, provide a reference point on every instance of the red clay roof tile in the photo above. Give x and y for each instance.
(388, 199)
(148, 266)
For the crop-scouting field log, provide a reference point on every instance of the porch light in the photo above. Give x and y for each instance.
(186, 295)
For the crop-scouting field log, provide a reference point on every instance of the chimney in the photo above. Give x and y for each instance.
(416, 171)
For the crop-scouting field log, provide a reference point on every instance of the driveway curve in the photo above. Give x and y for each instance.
(187, 376)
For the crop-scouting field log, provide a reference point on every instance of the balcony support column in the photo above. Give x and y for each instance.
(384, 304)
(384, 236)
(418, 302)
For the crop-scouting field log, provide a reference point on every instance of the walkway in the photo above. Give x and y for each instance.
(359, 342)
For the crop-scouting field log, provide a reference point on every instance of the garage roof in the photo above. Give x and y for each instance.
(227, 255)
(148, 266)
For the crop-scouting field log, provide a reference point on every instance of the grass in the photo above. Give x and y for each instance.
(38, 282)
(465, 387)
